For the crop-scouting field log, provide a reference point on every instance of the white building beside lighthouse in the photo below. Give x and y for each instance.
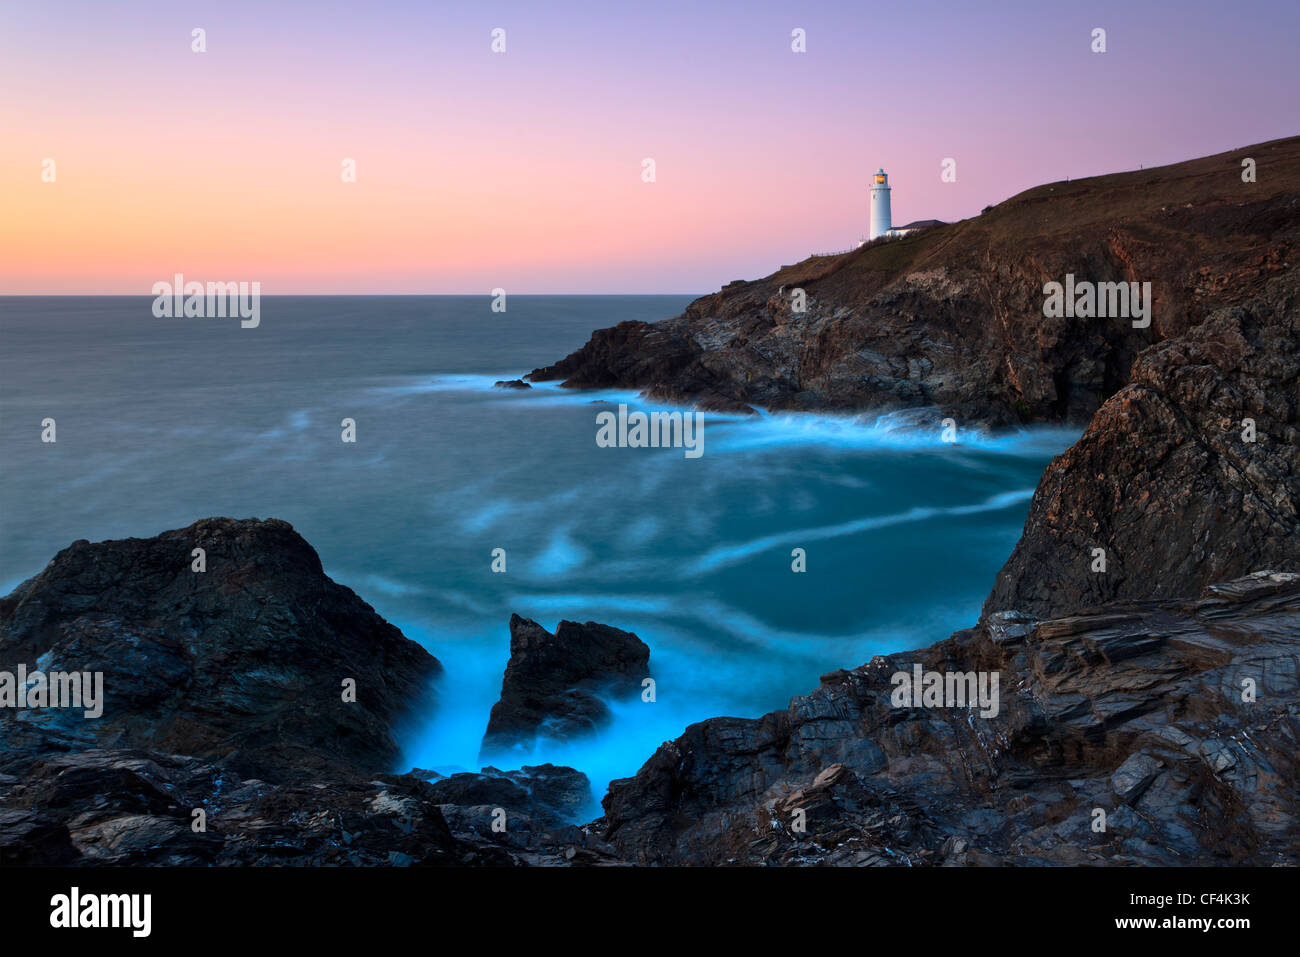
(882, 221)
(880, 215)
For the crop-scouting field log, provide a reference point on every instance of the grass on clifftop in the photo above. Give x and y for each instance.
(1063, 209)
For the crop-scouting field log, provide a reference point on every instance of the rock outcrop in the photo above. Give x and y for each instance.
(1189, 475)
(242, 664)
(529, 813)
(554, 684)
(1173, 725)
(224, 738)
(953, 317)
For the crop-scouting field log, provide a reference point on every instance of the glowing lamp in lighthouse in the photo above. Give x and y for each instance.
(880, 217)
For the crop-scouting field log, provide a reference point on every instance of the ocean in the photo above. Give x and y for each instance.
(164, 421)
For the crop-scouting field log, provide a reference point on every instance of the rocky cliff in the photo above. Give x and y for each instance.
(1154, 732)
(1143, 633)
(1148, 704)
(953, 317)
(1189, 475)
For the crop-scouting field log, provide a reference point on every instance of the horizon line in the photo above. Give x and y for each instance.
(322, 295)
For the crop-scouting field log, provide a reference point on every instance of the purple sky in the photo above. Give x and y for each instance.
(523, 169)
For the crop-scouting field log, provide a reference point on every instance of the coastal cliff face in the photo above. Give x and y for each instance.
(1188, 475)
(952, 317)
(1157, 728)
(1137, 722)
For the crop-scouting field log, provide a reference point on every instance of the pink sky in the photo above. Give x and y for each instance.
(522, 170)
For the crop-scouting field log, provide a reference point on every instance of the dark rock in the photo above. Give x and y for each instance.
(1136, 710)
(554, 684)
(1163, 479)
(138, 807)
(511, 384)
(426, 774)
(564, 789)
(952, 317)
(549, 794)
(242, 664)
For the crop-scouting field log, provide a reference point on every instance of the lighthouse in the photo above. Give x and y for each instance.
(880, 218)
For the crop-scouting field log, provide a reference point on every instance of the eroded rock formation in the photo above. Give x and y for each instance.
(555, 684)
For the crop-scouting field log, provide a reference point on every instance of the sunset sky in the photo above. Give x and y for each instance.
(522, 170)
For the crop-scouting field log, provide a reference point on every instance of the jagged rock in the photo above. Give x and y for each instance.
(517, 384)
(952, 317)
(242, 664)
(554, 684)
(1138, 710)
(137, 807)
(1163, 479)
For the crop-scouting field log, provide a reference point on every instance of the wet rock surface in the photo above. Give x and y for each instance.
(553, 795)
(128, 806)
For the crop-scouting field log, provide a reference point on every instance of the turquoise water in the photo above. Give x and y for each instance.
(164, 421)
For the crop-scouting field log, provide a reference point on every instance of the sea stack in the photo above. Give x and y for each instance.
(554, 684)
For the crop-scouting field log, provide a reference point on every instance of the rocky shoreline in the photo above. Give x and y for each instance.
(1173, 722)
(250, 715)
(1142, 641)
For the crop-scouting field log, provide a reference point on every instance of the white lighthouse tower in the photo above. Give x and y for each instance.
(880, 216)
